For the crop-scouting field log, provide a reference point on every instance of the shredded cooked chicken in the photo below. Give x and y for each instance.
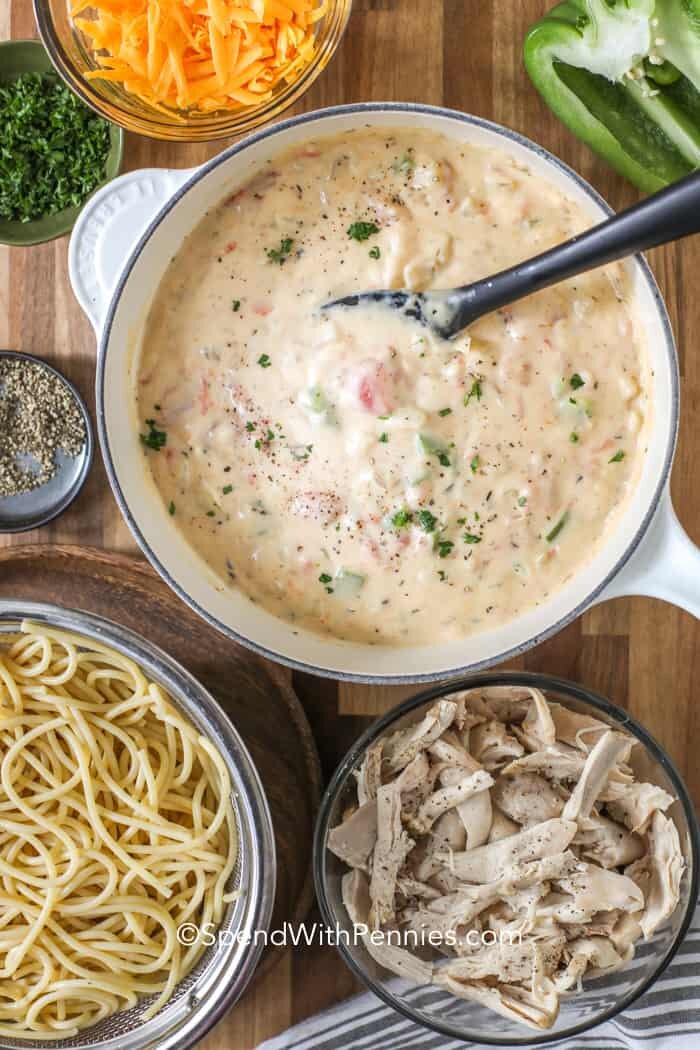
(504, 849)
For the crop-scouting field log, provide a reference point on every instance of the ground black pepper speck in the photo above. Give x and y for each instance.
(38, 416)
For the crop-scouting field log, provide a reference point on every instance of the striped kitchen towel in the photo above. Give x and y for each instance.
(667, 1017)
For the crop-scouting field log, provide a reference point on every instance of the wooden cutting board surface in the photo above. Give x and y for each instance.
(464, 54)
(255, 693)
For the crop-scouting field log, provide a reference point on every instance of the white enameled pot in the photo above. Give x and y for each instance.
(119, 250)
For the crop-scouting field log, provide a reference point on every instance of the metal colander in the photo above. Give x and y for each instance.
(223, 971)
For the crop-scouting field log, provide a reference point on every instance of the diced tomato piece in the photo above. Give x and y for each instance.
(371, 389)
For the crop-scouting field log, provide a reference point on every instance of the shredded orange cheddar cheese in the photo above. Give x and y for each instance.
(201, 55)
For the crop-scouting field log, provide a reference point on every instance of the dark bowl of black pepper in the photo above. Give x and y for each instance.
(56, 151)
(46, 443)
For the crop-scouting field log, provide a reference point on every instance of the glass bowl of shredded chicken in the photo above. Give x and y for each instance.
(510, 859)
(191, 70)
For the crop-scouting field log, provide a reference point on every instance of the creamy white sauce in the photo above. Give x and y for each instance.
(351, 472)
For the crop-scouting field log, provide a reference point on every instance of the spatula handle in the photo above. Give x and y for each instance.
(665, 216)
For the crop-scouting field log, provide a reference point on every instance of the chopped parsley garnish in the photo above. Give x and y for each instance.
(401, 519)
(211, 513)
(444, 547)
(374, 253)
(250, 427)
(470, 537)
(442, 574)
(444, 411)
(236, 305)
(155, 439)
(384, 437)
(474, 392)
(325, 579)
(54, 149)
(522, 500)
(618, 457)
(264, 442)
(553, 533)
(573, 437)
(362, 231)
(426, 520)
(475, 464)
(171, 508)
(576, 382)
(226, 489)
(264, 361)
(281, 254)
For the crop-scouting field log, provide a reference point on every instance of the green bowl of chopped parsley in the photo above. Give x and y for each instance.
(54, 151)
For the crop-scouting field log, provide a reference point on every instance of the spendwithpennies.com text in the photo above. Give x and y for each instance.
(318, 933)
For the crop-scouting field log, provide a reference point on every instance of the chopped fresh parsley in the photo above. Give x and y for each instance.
(281, 254)
(374, 253)
(522, 500)
(444, 547)
(250, 427)
(155, 439)
(325, 579)
(444, 411)
(401, 519)
(236, 305)
(576, 382)
(264, 442)
(442, 574)
(54, 149)
(426, 520)
(553, 533)
(474, 392)
(573, 437)
(362, 231)
(171, 508)
(211, 513)
(470, 537)
(264, 361)
(475, 464)
(226, 489)
(384, 437)
(618, 457)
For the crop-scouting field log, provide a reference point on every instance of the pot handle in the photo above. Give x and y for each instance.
(108, 229)
(666, 564)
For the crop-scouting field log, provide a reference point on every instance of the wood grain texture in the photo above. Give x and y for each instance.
(641, 653)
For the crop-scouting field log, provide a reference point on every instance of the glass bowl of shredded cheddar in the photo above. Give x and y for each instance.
(190, 69)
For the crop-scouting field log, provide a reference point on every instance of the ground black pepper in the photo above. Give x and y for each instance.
(38, 416)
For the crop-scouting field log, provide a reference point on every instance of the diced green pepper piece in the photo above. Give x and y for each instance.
(432, 447)
(348, 584)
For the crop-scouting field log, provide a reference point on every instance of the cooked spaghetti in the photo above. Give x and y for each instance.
(116, 827)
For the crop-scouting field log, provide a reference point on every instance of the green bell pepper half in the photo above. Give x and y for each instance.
(624, 76)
